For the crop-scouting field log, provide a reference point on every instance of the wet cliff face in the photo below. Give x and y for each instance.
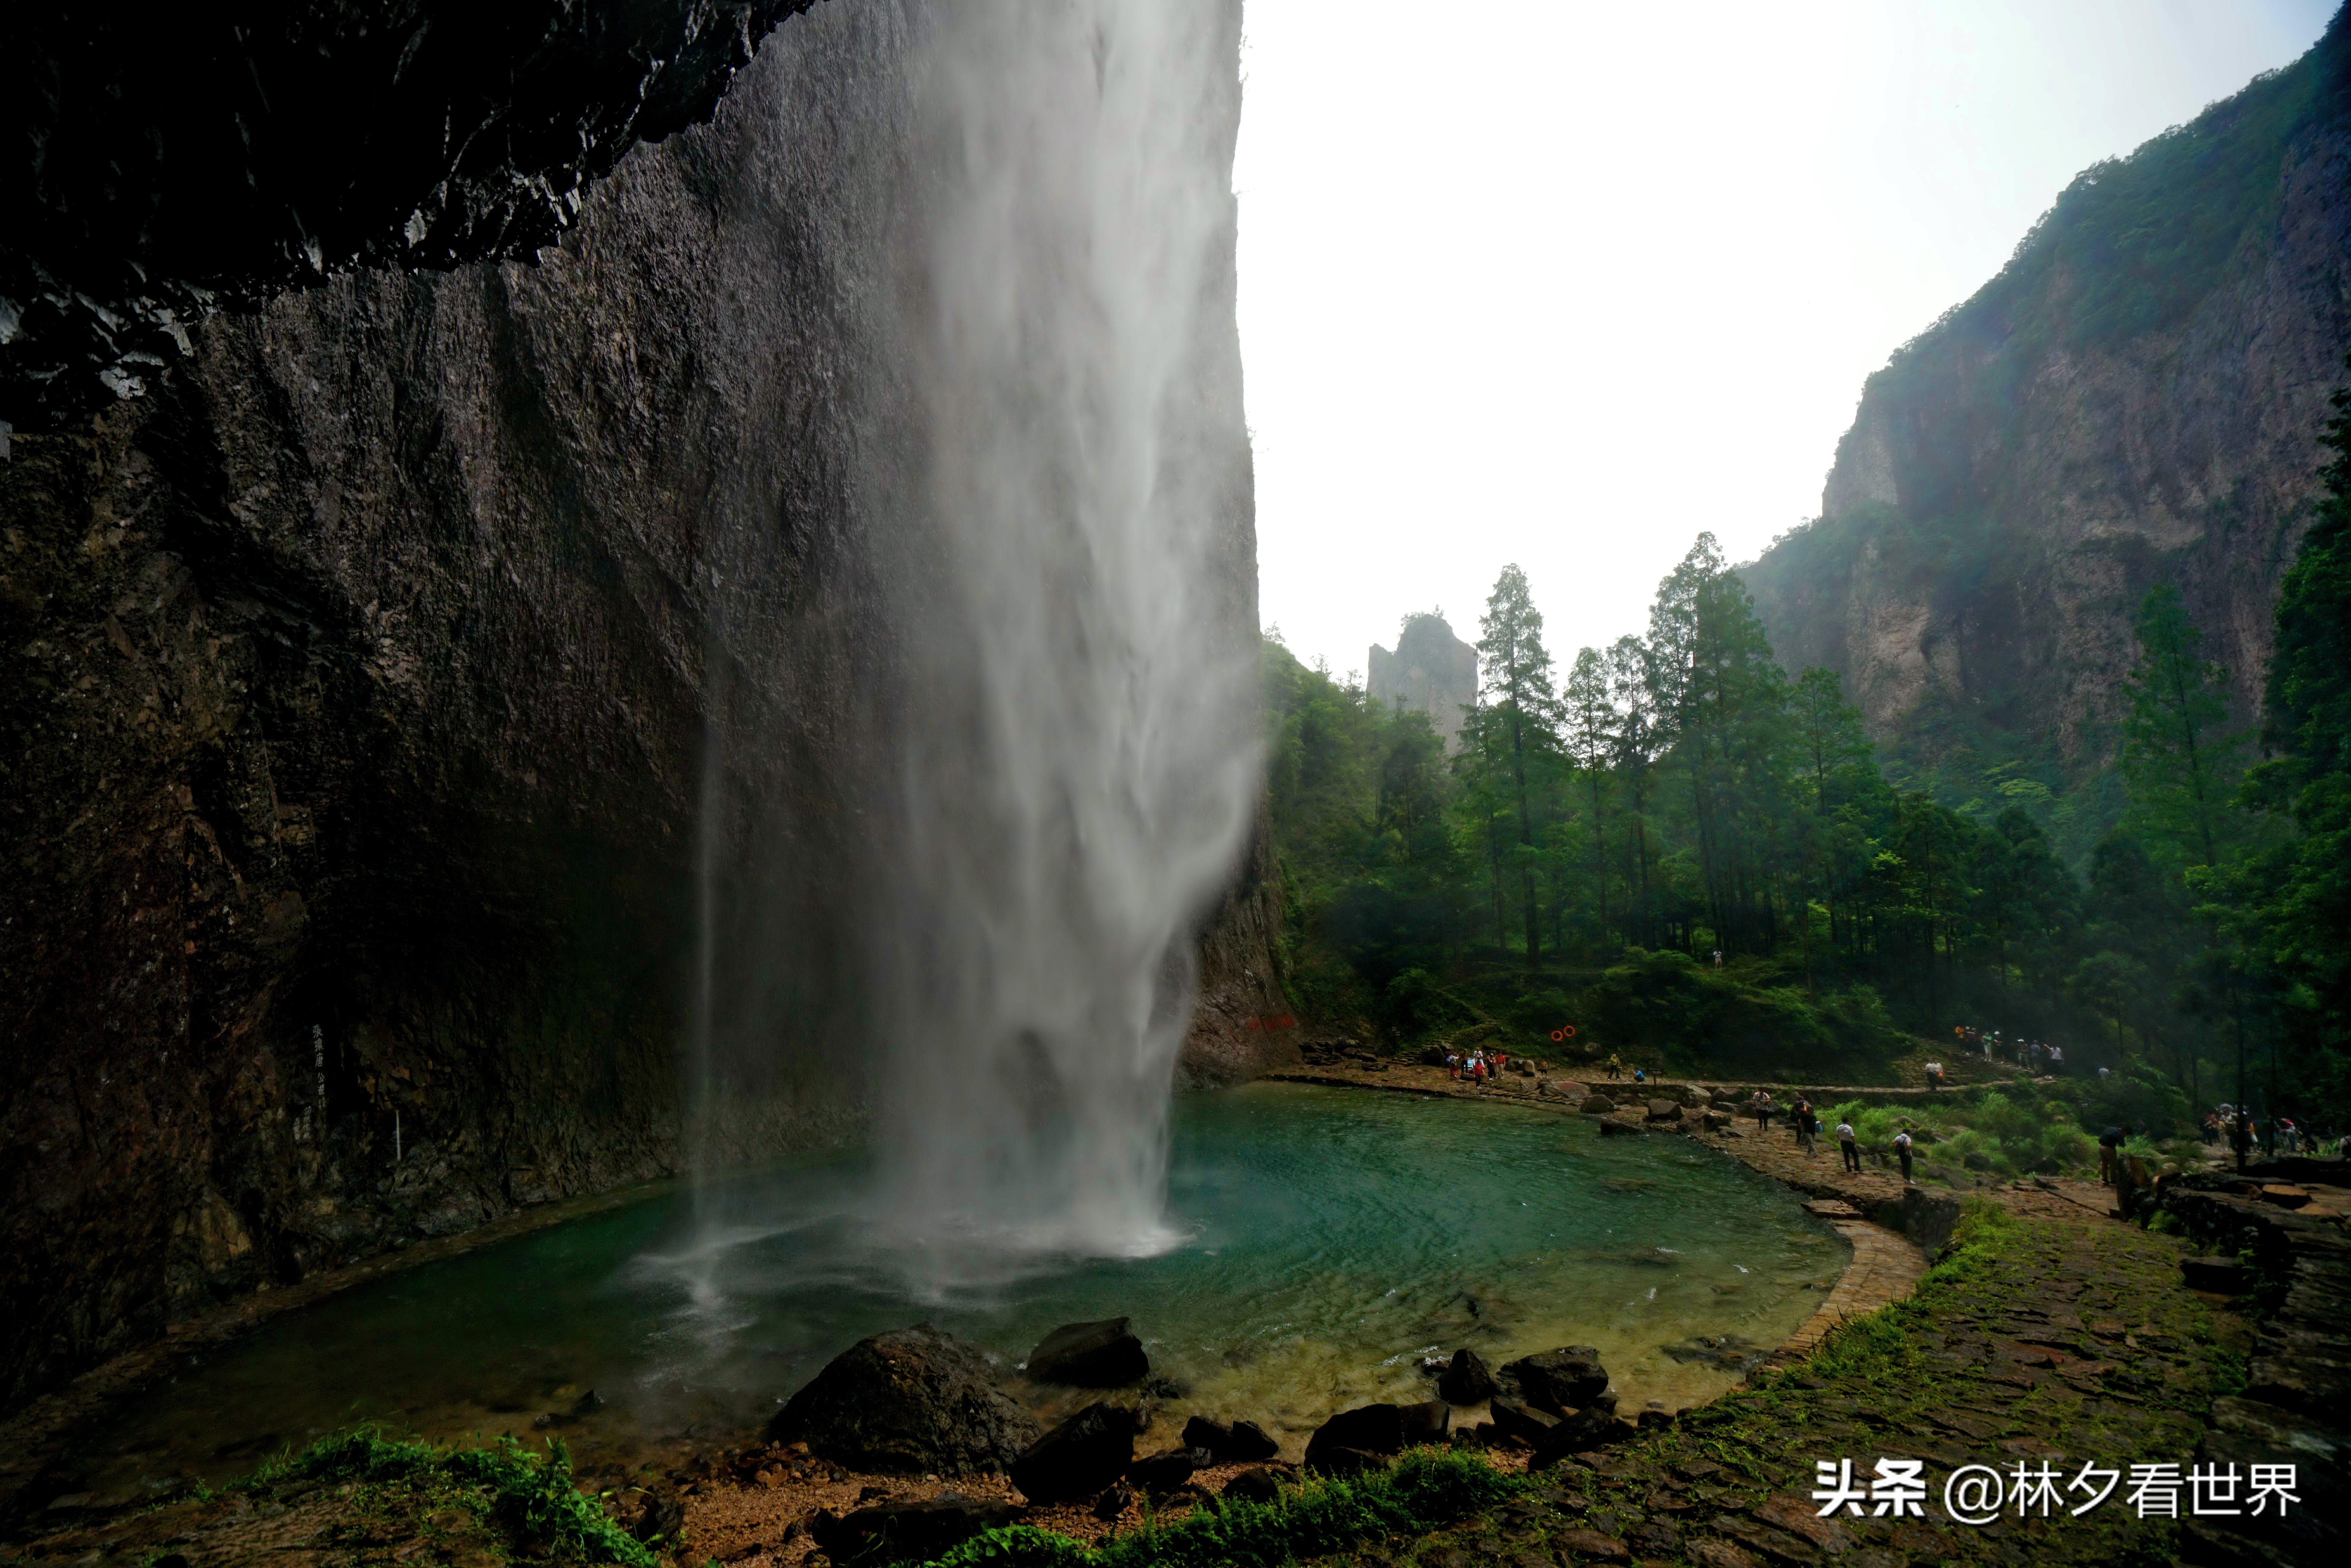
(165, 159)
(2123, 405)
(366, 684)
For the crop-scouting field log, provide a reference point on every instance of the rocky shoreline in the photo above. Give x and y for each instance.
(2068, 1335)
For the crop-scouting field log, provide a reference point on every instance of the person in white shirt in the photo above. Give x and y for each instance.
(1902, 1152)
(1847, 1147)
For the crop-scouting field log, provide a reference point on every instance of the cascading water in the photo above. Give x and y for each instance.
(1047, 492)
(1075, 754)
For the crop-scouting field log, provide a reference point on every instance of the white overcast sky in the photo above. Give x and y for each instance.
(1563, 284)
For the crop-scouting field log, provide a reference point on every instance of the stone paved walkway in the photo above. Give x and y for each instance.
(1885, 1268)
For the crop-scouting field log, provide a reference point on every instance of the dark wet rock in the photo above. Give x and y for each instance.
(1342, 1461)
(914, 1401)
(1599, 1105)
(1468, 1381)
(1558, 1380)
(2225, 1275)
(1105, 1354)
(1367, 1429)
(1611, 1129)
(1579, 1432)
(1079, 1458)
(1112, 1502)
(1664, 1111)
(1426, 1422)
(1260, 1485)
(1241, 1443)
(1162, 1473)
(1249, 1443)
(1523, 1422)
(912, 1530)
(664, 1516)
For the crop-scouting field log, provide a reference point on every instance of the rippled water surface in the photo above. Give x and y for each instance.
(1331, 1240)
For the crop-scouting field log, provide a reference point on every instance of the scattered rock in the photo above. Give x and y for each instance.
(1105, 1354)
(1716, 1121)
(1079, 1458)
(1610, 1129)
(914, 1401)
(1664, 1111)
(915, 1531)
(1558, 1380)
(1468, 1381)
(1112, 1502)
(1260, 1485)
(1367, 1429)
(1564, 1089)
(1599, 1105)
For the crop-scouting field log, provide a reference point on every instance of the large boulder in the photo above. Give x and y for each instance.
(1566, 1089)
(910, 1532)
(1468, 1381)
(1079, 1458)
(1695, 1098)
(914, 1401)
(1664, 1111)
(1242, 1443)
(1558, 1380)
(1105, 1354)
(1368, 1429)
(1599, 1105)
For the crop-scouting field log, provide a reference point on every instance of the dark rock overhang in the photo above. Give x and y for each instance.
(166, 161)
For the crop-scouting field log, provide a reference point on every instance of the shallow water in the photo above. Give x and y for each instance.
(1330, 1240)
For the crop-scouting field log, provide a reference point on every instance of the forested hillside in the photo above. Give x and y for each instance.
(1705, 862)
(2134, 401)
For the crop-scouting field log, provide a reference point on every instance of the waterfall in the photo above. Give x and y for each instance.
(1072, 749)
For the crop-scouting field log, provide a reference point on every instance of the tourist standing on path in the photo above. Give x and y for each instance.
(1848, 1148)
(2110, 1144)
(1902, 1152)
(1762, 1106)
(1804, 1125)
(1934, 1076)
(1615, 1064)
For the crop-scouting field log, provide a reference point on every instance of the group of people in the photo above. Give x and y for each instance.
(2245, 1132)
(1476, 1066)
(2037, 1057)
(1807, 1123)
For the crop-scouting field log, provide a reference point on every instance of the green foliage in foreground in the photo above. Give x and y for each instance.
(1427, 1489)
(1882, 1347)
(530, 1495)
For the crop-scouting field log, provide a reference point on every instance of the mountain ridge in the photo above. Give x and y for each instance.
(2136, 397)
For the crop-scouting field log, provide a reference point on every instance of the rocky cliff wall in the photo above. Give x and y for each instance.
(2138, 397)
(397, 693)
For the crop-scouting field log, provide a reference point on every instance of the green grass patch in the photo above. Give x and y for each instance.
(1427, 1489)
(529, 1495)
